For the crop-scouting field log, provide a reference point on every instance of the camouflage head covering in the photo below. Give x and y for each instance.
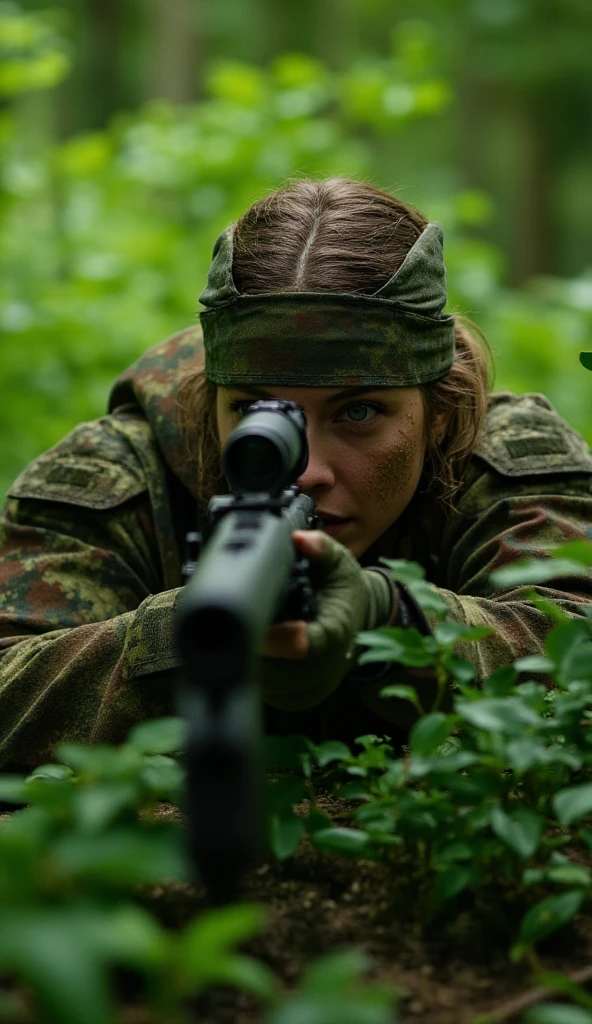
(397, 337)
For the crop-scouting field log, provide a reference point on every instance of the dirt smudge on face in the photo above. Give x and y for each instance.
(392, 468)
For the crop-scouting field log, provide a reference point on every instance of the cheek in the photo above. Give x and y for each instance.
(399, 466)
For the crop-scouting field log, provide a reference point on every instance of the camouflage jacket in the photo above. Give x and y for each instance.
(91, 549)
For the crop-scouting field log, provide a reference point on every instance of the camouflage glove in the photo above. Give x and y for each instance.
(304, 662)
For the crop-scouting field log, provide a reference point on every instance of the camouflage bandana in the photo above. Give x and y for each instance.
(397, 337)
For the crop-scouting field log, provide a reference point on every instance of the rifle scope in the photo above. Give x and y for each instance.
(267, 452)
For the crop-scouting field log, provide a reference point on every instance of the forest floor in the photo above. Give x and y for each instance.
(457, 973)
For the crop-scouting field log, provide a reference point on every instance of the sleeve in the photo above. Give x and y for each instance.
(503, 517)
(86, 638)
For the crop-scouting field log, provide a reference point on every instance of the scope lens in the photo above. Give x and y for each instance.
(255, 463)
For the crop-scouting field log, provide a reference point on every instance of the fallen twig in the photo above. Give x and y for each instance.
(506, 1011)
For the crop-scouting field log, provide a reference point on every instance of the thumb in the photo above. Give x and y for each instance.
(312, 543)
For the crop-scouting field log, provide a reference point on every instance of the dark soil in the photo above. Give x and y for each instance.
(456, 973)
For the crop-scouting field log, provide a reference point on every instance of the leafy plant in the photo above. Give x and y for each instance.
(486, 794)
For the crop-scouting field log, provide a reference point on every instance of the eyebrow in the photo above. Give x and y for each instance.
(352, 392)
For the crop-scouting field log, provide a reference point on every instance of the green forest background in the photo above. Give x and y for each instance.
(133, 131)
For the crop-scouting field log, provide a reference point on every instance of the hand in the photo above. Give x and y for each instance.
(303, 662)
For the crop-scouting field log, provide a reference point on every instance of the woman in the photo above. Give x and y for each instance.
(330, 294)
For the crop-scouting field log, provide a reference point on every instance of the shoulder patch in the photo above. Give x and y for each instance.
(93, 467)
(525, 436)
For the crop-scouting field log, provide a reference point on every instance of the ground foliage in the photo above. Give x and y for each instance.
(105, 237)
(477, 834)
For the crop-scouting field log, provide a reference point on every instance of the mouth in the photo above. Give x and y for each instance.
(332, 524)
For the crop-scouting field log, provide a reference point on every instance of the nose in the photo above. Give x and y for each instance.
(319, 474)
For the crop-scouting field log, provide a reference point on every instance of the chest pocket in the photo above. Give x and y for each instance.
(524, 436)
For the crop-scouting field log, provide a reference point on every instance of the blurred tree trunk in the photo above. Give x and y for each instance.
(533, 239)
(505, 150)
(324, 28)
(102, 83)
(335, 37)
(174, 66)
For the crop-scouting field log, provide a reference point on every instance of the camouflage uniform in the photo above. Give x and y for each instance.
(91, 548)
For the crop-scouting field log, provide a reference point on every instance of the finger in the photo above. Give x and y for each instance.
(287, 640)
(312, 543)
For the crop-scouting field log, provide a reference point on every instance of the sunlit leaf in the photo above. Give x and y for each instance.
(347, 842)
(159, 736)
(521, 830)
(430, 732)
(573, 803)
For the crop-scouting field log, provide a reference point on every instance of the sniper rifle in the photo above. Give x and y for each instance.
(248, 576)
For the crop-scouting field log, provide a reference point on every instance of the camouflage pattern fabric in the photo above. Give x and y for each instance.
(90, 554)
(396, 337)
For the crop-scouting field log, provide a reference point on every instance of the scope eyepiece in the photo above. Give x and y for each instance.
(268, 450)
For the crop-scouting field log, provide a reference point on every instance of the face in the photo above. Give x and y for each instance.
(366, 452)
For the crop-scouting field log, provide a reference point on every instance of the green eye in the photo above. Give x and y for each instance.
(357, 412)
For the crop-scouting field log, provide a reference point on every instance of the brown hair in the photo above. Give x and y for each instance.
(343, 235)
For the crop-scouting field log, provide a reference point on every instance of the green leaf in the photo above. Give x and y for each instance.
(562, 984)
(163, 776)
(550, 914)
(452, 852)
(558, 1013)
(402, 571)
(346, 842)
(393, 643)
(51, 771)
(334, 971)
(430, 732)
(285, 835)
(427, 597)
(98, 806)
(283, 793)
(316, 820)
(245, 972)
(452, 632)
(403, 693)
(206, 951)
(522, 830)
(129, 935)
(159, 736)
(332, 750)
(353, 791)
(535, 570)
(215, 934)
(501, 682)
(534, 663)
(525, 752)
(452, 881)
(570, 874)
(332, 992)
(586, 359)
(53, 952)
(123, 856)
(577, 550)
(573, 803)
(13, 789)
(461, 669)
(533, 876)
(547, 607)
(569, 646)
(506, 715)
